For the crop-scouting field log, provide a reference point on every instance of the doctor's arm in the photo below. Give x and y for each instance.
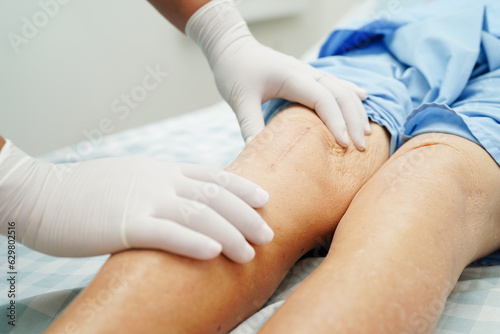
(107, 205)
(248, 73)
(178, 12)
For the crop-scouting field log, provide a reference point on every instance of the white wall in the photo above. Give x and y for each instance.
(69, 76)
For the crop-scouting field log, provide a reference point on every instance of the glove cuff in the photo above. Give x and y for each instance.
(5, 150)
(21, 178)
(11, 158)
(216, 26)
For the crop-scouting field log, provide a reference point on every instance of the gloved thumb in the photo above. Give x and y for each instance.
(249, 115)
(155, 233)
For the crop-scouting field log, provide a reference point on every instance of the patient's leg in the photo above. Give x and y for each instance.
(402, 244)
(311, 181)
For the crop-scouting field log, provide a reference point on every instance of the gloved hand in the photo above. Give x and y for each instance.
(107, 205)
(248, 74)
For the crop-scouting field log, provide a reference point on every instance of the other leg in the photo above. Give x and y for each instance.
(402, 244)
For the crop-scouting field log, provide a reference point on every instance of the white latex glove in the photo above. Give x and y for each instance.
(248, 74)
(107, 205)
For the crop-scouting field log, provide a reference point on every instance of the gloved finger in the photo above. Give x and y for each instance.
(349, 87)
(248, 110)
(203, 219)
(362, 111)
(232, 208)
(350, 105)
(248, 191)
(155, 233)
(312, 94)
(360, 92)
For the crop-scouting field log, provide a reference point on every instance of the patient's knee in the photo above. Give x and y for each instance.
(444, 159)
(298, 137)
(297, 156)
(451, 170)
(288, 138)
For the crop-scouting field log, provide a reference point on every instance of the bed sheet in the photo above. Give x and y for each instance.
(45, 285)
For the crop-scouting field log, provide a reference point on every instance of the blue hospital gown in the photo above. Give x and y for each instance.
(434, 68)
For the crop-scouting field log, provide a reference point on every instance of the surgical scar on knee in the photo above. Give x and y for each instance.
(290, 147)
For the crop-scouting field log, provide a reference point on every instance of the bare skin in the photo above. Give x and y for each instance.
(2, 142)
(178, 12)
(311, 180)
(402, 244)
